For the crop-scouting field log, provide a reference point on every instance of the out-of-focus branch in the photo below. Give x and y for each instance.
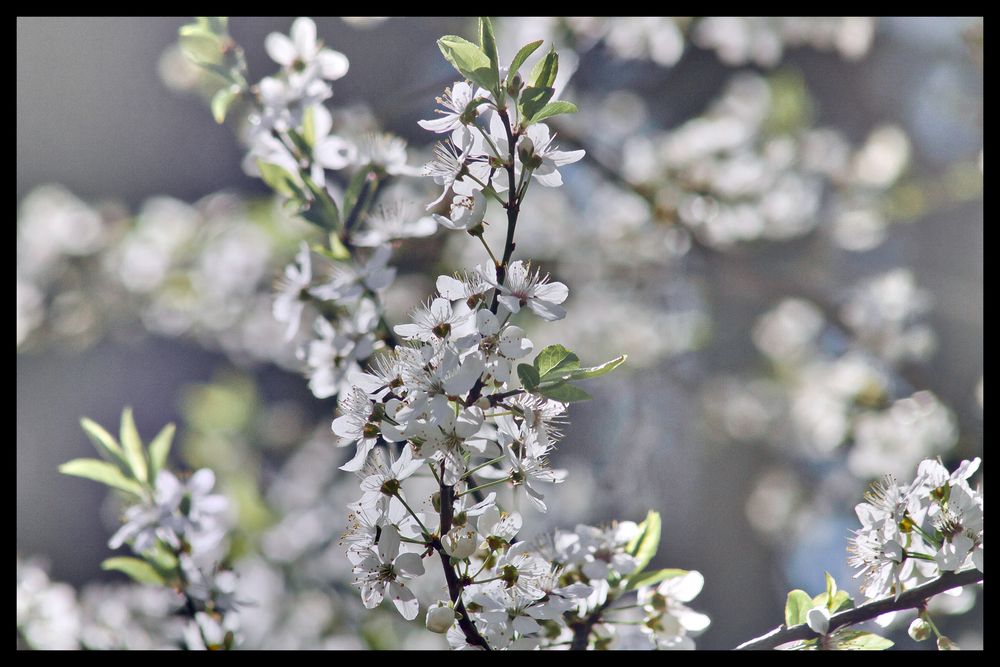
(911, 599)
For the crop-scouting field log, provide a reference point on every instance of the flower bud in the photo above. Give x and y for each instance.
(468, 211)
(526, 151)
(459, 543)
(440, 617)
(818, 619)
(514, 86)
(945, 644)
(919, 630)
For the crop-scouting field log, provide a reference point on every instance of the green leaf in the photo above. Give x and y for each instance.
(134, 453)
(644, 545)
(841, 600)
(103, 472)
(521, 56)
(595, 371)
(338, 251)
(796, 607)
(555, 359)
(529, 376)
(858, 640)
(309, 126)
(553, 109)
(280, 180)
(159, 450)
(215, 24)
(563, 392)
(221, 102)
(831, 585)
(488, 44)
(105, 443)
(322, 209)
(652, 578)
(543, 74)
(137, 569)
(469, 60)
(534, 99)
(199, 44)
(353, 194)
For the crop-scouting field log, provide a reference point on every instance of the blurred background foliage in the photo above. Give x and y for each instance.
(780, 221)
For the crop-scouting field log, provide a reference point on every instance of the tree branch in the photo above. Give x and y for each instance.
(911, 599)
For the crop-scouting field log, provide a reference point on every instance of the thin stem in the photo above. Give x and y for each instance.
(420, 523)
(488, 250)
(485, 486)
(483, 465)
(911, 599)
(918, 556)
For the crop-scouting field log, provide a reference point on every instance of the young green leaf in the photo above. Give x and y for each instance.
(543, 74)
(134, 453)
(555, 359)
(797, 606)
(529, 376)
(523, 54)
(652, 578)
(138, 570)
(858, 640)
(553, 109)
(534, 99)
(221, 101)
(105, 443)
(644, 545)
(595, 371)
(103, 472)
(280, 180)
(322, 209)
(159, 450)
(199, 44)
(563, 392)
(488, 44)
(469, 60)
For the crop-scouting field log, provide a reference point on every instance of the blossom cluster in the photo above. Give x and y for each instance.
(911, 533)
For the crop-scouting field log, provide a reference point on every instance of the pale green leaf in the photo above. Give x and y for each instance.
(652, 578)
(523, 54)
(103, 472)
(159, 451)
(644, 545)
(132, 444)
(858, 640)
(137, 569)
(595, 371)
(553, 109)
(488, 44)
(221, 102)
(105, 443)
(469, 60)
(280, 180)
(797, 605)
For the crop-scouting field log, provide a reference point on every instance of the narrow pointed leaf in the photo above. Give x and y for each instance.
(488, 44)
(521, 56)
(644, 545)
(221, 102)
(105, 443)
(103, 472)
(133, 447)
(159, 451)
(138, 570)
(543, 74)
(652, 578)
(858, 640)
